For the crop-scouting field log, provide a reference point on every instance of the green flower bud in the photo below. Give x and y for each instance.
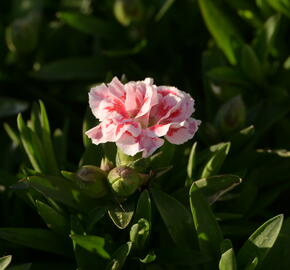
(231, 115)
(124, 180)
(139, 233)
(127, 11)
(22, 34)
(90, 179)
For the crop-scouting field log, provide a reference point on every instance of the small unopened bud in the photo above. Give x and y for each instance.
(106, 165)
(231, 115)
(127, 11)
(92, 180)
(139, 233)
(124, 180)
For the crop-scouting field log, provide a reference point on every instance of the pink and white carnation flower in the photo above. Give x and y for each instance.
(136, 114)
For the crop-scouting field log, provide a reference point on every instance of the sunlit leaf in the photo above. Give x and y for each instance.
(208, 231)
(260, 242)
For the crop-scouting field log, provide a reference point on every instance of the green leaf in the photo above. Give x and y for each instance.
(36, 238)
(251, 65)
(88, 123)
(228, 259)
(119, 257)
(85, 259)
(216, 186)
(260, 242)
(26, 140)
(46, 141)
(279, 253)
(128, 51)
(239, 139)
(87, 24)
(171, 210)
(60, 190)
(282, 6)
(224, 74)
(164, 157)
(264, 41)
(52, 218)
(208, 230)
(221, 28)
(91, 243)
(71, 69)
(94, 216)
(25, 266)
(219, 153)
(139, 233)
(5, 261)
(92, 155)
(122, 215)
(191, 161)
(149, 258)
(143, 209)
(253, 264)
(165, 7)
(12, 134)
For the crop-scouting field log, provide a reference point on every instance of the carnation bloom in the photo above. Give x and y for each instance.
(136, 114)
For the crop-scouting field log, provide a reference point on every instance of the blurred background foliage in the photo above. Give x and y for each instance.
(233, 57)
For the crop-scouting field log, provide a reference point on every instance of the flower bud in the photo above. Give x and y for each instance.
(139, 233)
(92, 180)
(127, 11)
(106, 165)
(22, 34)
(231, 115)
(124, 180)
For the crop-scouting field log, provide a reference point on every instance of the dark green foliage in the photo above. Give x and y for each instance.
(202, 204)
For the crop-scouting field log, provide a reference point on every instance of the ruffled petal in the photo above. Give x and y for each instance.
(180, 133)
(131, 145)
(102, 133)
(106, 101)
(132, 127)
(158, 130)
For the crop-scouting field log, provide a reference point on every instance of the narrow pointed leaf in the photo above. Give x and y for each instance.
(25, 266)
(208, 231)
(191, 161)
(46, 140)
(216, 160)
(119, 257)
(251, 65)
(122, 215)
(26, 141)
(52, 218)
(282, 6)
(228, 259)
(221, 28)
(36, 238)
(260, 242)
(60, 190)
(172, 210)
(216, 186)
(253, 264)
(149, 258)
(5, 261)
(91, 243)
(143, 209)
(87, 24)
(265, 39)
